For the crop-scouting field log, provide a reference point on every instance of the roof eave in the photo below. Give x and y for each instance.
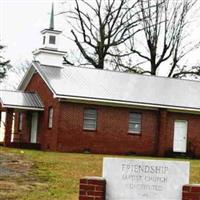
(125, 104)
(22, 107)
(51, 31)
(49, 50)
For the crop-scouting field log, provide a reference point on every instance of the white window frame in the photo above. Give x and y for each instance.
(50, 117)
(90, 119)
(133, 122)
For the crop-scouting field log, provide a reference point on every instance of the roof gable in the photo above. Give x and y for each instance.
(28, 76)
(26, 79)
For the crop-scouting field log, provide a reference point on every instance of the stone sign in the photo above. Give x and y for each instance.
(130, 179)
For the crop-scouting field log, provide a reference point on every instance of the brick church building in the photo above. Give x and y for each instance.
(74, 109)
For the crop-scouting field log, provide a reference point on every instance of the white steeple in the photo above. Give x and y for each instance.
(49, 53)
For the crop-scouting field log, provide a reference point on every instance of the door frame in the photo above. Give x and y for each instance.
(186, 136)
(34, 132)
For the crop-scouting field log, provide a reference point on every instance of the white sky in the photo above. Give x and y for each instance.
(22, 20)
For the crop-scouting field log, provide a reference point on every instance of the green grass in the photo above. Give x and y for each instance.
(59, 173)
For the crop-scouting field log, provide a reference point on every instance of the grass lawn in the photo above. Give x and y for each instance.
(59, 173)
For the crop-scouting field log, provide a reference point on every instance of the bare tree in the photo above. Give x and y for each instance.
(102, 26)
(164, 29)
(15, 75)
(4, 64)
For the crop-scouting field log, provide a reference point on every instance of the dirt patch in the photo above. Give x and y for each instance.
(16, 176)
(13, 165)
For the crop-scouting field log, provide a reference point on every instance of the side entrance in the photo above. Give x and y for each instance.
(180, 136)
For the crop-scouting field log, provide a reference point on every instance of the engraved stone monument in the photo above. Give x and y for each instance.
(131, 179)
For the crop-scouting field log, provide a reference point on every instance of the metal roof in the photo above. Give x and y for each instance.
(117, 87)
(20, 100)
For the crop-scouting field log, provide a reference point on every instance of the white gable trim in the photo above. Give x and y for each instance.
(28, 77)
(44, 79)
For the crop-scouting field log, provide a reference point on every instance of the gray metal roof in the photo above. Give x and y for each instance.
(116, 87)
(20, 100)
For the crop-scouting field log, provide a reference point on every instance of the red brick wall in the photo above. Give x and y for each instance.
(162, 132)
(193, 136)
(111, 135)
(92, 188)
(191, 192)
(46, 137)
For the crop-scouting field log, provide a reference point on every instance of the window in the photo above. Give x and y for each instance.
(20, 121)
(44, 39)
(134, 125)
(50, 122)
(90, 119)
(52, 39)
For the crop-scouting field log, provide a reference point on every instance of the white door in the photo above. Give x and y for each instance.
(34, 127)
(180, 136)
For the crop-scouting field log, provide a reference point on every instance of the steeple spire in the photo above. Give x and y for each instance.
(49, 54)
(52, 18)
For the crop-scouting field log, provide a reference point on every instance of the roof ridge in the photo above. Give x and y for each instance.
(137, 74)
(126, 73)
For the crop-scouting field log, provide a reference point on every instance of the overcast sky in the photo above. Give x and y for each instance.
(22, 20)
